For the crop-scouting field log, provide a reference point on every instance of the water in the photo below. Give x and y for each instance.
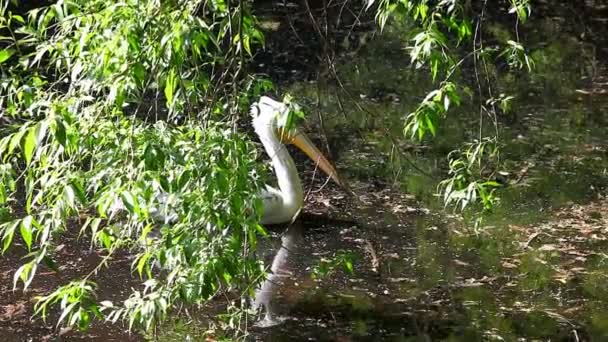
(536, 269)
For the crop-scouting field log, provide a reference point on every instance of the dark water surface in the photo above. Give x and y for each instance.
(536, 269)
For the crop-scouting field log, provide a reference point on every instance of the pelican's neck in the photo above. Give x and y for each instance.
(284, 168)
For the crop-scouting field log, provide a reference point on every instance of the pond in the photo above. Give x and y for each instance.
(536, 268)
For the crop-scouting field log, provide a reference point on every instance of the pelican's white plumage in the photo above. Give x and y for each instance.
(282, 204)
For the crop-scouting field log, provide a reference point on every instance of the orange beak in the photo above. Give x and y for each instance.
(301, 141)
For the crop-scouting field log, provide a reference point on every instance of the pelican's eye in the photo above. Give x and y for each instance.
(254, 110)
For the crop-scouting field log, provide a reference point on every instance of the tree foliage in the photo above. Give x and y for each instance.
(442, 37)
(108, 104)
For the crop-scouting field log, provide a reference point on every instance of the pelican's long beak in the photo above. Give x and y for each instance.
(301, 141)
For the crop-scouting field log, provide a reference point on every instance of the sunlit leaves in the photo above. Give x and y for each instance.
(25, 273)
(34, 136)
(431, 109)
(292, 116)
(462, 27)
(5, 54)
(467, 183)
(437, 34)
(503, 102)
(426, 44)
(249, 35)
(170, 87)
(130, 202)
(7, 183)
(88, 144)
(516, 56)
(76, 301)
(521, 8)
(26, 229)
(142, 263)
(8, 232)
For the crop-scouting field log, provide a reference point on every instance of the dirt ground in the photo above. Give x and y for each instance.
(76, 260)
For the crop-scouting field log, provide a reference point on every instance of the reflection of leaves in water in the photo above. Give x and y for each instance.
(359, 327)
(488, 249)
(429, 265)
(325, 267)
(483, 313)
(595, 282)
(536, 272)
(536, 323)
(599, 320)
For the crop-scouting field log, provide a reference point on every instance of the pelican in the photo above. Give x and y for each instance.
(283, 204)
(279, 205)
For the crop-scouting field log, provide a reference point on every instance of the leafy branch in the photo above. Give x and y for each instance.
(438, 33)
(110, 105)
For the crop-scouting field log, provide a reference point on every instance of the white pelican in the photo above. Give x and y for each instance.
(283, 204)
(279, 205)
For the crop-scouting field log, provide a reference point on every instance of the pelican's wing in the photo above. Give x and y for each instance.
(159, 214)
(272, 201)
(162, 213)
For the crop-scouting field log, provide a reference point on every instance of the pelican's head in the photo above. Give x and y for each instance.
(269, 117)
(265, 113)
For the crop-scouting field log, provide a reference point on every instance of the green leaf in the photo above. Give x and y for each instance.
(67, 312)
(60, 132)
(246, 45)
(492, 184)
(105, 238)
(18, 18)
(29, 144)
(184, 179)
(5, 54)
(21, 273)
(3, 198)
(26, 231)
(69, 196)
(260, 229)
(9, 232)
(93, 224)
(139, 73)
(15, 141)
(141, 263)
(130, 202)
(170, 87)
(4, 143)
(348, 266)
(430, 125)
(26, 273)
(144, 232)
(104, 203)
(78, 190)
